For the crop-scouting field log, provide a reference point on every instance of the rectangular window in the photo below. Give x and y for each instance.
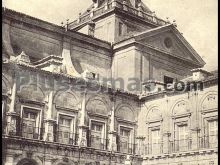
(66, 129)
(213, 133)
(125, 140)
(31, 123)
(168, 80)
(182, 141)
(155, 146)
(97, 135)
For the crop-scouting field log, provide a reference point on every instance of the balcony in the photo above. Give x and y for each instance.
(210, 141)
(98, 143)
(180, 145)
(153, 149)
(36, 133)
(126, 147)
(65, 137)
(29, 132)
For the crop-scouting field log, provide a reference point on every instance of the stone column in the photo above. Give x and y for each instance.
(12, 115)
(49, 122)
(82, 141)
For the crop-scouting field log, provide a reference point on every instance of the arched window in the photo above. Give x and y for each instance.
(181, 122)
(97, 110)
(209, 110)
(126, 118)
(154, 120)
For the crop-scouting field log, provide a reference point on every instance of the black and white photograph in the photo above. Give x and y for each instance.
(109, 82)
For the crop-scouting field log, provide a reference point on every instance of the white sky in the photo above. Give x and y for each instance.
(196, 19)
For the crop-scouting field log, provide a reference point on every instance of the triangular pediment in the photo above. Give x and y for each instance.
(169, 40)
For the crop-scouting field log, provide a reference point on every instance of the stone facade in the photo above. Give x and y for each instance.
(58, 108)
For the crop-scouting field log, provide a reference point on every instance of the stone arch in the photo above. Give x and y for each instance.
(64, 162)
(66, 99)
(97, 105)
(32, 92)
(125, 112)
(209, 101)
(27, 161)
(181, 107)
(154, 113)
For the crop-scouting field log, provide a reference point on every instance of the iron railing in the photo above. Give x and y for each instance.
(180, 145)
(153, 149)
(31, 132)
(66, 137)
(98, 143)
(126, 147)
(208, 141)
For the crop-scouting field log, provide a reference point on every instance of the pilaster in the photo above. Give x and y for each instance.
(112, 133)
(194, 138)
(49, 122)
(166, 146)
(82, 125)
(12, 115)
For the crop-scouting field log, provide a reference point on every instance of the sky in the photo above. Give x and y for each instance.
(196, 19)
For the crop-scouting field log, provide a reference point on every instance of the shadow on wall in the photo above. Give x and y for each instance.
(77, 65)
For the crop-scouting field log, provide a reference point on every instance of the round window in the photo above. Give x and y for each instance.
(168, 42)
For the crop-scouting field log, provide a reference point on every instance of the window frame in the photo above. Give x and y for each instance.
(104, 128)
(131, 137)
(72, 117)
(38, 118)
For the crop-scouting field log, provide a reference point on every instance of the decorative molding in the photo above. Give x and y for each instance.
(22, 100)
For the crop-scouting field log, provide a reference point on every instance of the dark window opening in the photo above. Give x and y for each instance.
(168, 80)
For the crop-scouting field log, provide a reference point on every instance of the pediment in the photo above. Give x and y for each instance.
(169, 40)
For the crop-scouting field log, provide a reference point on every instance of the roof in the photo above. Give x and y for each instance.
(201, 70)
(160, 29)
(107, 6)
(36, 69)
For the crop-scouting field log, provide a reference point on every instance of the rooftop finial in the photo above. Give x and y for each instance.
(174, 23)
(168, 20)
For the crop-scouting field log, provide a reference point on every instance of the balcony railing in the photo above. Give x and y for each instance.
(98, 143)
(65, 137)
(210, 141)
(146, 16)
(153, 149)
(126, 147)
(180, 145)
(31, 132)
